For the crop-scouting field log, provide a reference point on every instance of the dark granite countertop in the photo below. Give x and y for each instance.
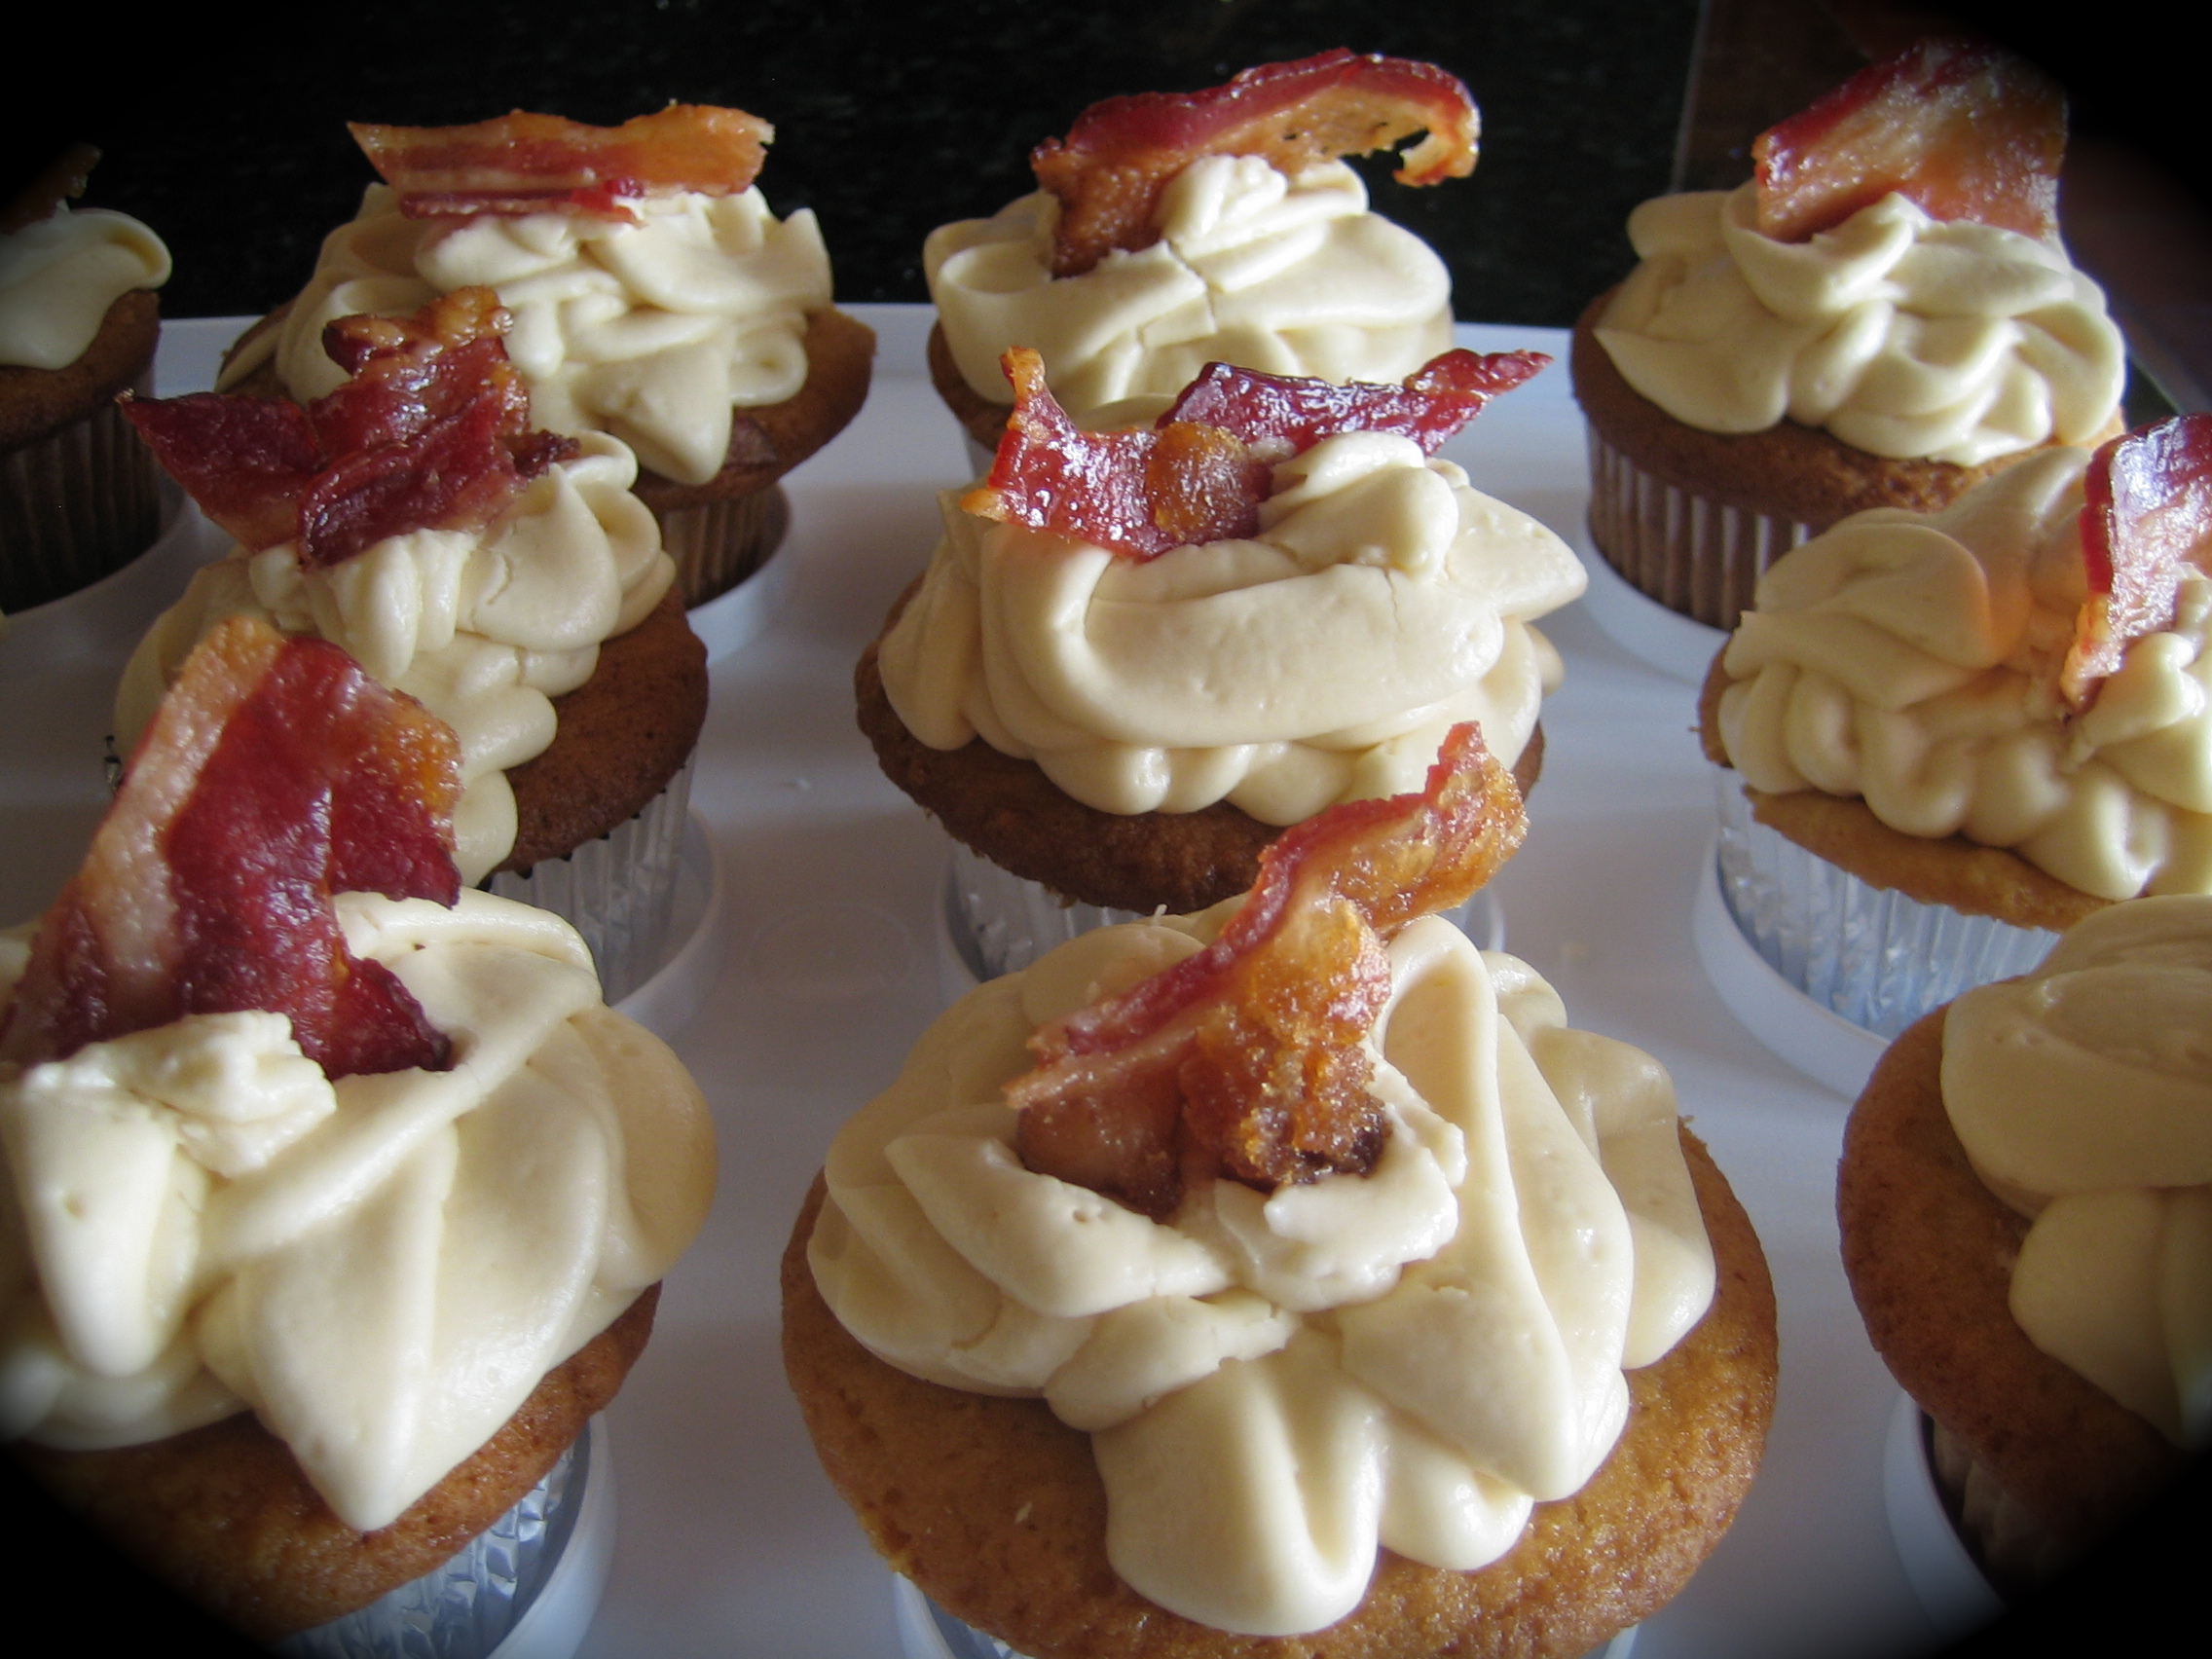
(891, 124)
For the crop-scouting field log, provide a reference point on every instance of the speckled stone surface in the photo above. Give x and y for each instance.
(890, 122)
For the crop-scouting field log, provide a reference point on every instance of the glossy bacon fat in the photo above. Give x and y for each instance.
(535, 164)
(1203, 472)
(1962, 128)
(274, 774)
(1109, 172)
(431, 433)
(2145, 526)
(1246, 1060)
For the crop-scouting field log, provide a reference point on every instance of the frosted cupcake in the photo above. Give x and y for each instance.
(505, 576)
(339, 1194)
(79, 322)
(1958, 732)
(656, 298)
(1883, 318)
(1174, 230)
(1118, 1342)
(1135, 657)
(2026, 1223)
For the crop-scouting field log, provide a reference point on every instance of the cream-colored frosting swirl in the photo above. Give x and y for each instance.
(2083, 1095)
(1902, 335)
(1382, 602)
(1287, 275)
(198, 1222)
(59, 276)
(652, 331)
(1910, 660)
(1277, 1385)
(483, 627)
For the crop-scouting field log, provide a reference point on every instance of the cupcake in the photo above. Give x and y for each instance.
(1883, 318)
(339, 1194)
(1136, 656)
(656, 298)
(1959, 732)
(1173, 230)
(505, 576)
(2025, 1220)
(1192, 1288)
(78, 325)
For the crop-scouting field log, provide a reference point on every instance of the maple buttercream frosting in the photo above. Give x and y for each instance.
(1912, 661)
(59, 276)
(484, 627)
(2082, 1096)
(381, 1268)
(1287, 274)
(1902, 335)
(654, 331)
(1382, 601)
(1276, 1386)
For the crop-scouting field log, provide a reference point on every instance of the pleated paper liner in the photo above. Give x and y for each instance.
(1693, 555)
(525, 1588)
(617, 891)
(74, 508)
(1870, 954)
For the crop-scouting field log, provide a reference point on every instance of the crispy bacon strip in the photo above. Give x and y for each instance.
(274, 774)
(1281, 415)
(1244, 1060)
(1964, 129)
(1109, 172)
(534, 163)
(431, 433)
(1138, 493)
(1202, 473)
(2146, 524)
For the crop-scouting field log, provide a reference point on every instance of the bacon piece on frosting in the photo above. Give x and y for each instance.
(2145, 526)
(275, 773)
(1110, 170)
(1202, 473)
(535, 164)
(430, 434)
(1280, 416)
(1246, 1059)
(1964, 129)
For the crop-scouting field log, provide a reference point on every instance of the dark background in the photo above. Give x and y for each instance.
(223, 130)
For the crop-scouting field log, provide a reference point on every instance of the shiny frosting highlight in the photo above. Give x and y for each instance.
(1382, 602)
(1910, 660)
(200, 1223)
(1279, 1385)
(1902, 335)
(1287, 275)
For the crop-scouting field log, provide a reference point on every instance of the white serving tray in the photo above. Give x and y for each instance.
(732, 1540)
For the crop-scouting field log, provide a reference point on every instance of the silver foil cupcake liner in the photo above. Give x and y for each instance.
(926, 1631)
(998, 922)
(718, 544)
(467, 1607)
(1691, 554)
(1876, 957)
(617, 891)
(73, 507)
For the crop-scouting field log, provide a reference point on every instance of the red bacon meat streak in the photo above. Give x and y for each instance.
(274, 774)
(1109, 172)
(1244, 1060)
(432, 432)
(534, 163)
(1962, 128)
(2146, 524)
(1203, 472)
